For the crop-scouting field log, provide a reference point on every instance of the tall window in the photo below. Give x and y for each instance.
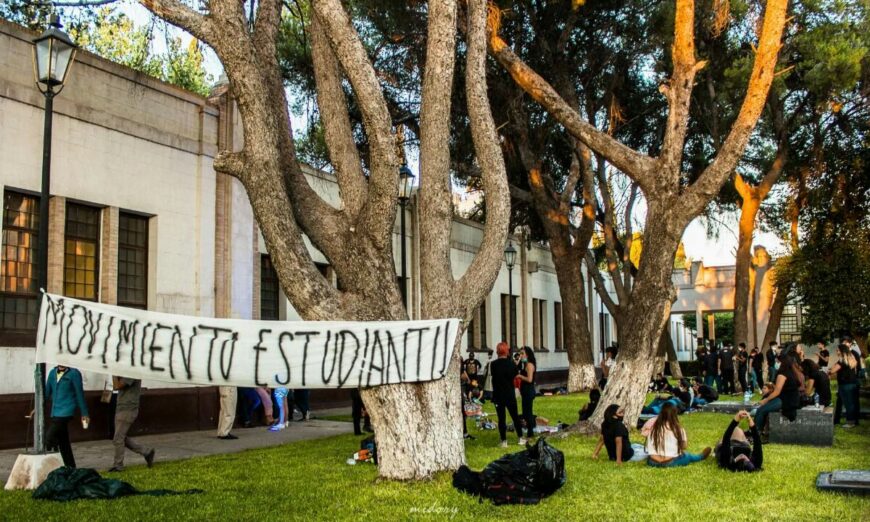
(132, 260)
(509, 320)
(19, 292)
(81, 252)
(557, 319)
(477, 329)
(604, 328)
(269, 289)
(539, 324)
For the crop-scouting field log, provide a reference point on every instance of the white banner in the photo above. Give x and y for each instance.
(231, 352)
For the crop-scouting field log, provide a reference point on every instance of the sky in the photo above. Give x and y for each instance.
(713, 251)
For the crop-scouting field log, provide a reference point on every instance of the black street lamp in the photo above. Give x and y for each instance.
(406, 184)
(510, 258)
(53, 55)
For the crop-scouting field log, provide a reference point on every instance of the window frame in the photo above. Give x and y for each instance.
(122, 214)
(16, 336)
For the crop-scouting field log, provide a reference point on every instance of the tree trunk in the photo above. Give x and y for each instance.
(418, 426)
(645, 316)
(861, 341)
(776, 310)
(748, 213)
(578, 341)
(673, 361)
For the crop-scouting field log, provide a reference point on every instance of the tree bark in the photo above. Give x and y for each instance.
(743, 265)
(418, 425)
(673, 361)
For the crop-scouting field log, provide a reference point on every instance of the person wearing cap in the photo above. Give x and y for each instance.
(736, 452)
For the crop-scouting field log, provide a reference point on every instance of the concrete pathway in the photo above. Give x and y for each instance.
(184, 445)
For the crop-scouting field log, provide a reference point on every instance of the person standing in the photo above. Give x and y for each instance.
(228, 401)
(64, 390)
(359, 414)
(742, 366)
(770, 356)
(472, 368)
(711, 368)
(300, 397)
(129, 392)
(756, 366)
(527, 390)
(846, 370)
(824, 355)
(726, 369)
(503, 372)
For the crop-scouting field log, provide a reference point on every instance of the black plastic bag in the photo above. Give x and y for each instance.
(525, 477)
(65, 484)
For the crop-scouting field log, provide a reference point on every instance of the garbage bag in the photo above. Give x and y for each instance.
(65, 484)
(525, 477)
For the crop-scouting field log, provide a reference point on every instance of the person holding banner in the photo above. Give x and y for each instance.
(64, 390)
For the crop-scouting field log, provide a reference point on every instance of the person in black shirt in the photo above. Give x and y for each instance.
(503, 371)
(704, 394)
(824, 355)
(742, 365)
(614, 436)
(756, 364)
(527, 389)
(711, 368)
(726, 369)
(735, 452)
(770, 356)
(846, 370)
(682, 392)
(472, 367)
(589, 408)
(816, 381)
(786, 392)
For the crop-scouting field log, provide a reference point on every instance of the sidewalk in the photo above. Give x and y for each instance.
(184, 445)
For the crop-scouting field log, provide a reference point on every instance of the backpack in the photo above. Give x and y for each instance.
(525, 477)
(369, 444)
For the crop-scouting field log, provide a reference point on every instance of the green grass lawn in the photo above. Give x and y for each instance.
(311, 481)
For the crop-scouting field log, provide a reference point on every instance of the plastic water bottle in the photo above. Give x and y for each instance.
(747, 396)
(816, 399)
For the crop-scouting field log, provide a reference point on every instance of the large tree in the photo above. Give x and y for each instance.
(418, 425)
(672, 199)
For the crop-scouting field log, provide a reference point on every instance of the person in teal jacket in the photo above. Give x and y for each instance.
(64, 389)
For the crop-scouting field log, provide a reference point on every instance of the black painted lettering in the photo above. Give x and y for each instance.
(257, 349)
(156, 348)
(284, 356)
(308, 336)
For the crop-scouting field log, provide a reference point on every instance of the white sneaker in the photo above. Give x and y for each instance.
(522, 441)
(503, 444)
(848, 425)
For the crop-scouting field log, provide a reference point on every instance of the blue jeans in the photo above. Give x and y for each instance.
(708, 380)
(698, 402)
(846, 401)
(763, 411)
(683, 460)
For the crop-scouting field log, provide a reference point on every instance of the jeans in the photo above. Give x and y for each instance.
(741, 377)
(57, 437)
(725, 381)
(763, 411)
(709, 379)
(683, 460)
(528, 396)
(511, 406)
(698, 402)
(655, 407)
(846, 400)
(754, 379)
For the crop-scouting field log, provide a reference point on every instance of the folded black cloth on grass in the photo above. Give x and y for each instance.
(65, 484)
(525, 477)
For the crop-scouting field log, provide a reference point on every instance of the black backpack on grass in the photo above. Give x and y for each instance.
(517, 478)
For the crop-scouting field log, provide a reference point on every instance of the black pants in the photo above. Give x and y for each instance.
(57, 438)
(741, 376)
(528, 396)
(511, 406)
(357, 412)
(727, 380)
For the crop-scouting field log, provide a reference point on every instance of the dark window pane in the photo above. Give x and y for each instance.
(132, 260)
(19, 272)
(269, 289)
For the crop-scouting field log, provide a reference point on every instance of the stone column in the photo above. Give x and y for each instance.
(109, 256)
(56, 229)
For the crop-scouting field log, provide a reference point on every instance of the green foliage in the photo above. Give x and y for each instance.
(723, 321)
(113, 35)
(310, 481)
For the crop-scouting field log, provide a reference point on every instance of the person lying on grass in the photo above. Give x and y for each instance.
(614, 437)
(667, 442)
(735, 452)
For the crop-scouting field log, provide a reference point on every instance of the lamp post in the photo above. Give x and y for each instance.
(406, 183)
(510, 258)
(53, 55)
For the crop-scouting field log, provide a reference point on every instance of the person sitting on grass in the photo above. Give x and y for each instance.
(667, 442)
(589, 408)
(736, 452)
(704, 394)
(661, 384)
(786, 394)
(614, 437)
(684, 393)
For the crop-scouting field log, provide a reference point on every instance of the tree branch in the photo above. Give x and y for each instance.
(638, 166)
(478, 279)
(601, 286)
(379, 212)
(179, 14)
(711, 179)
(338, 132)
